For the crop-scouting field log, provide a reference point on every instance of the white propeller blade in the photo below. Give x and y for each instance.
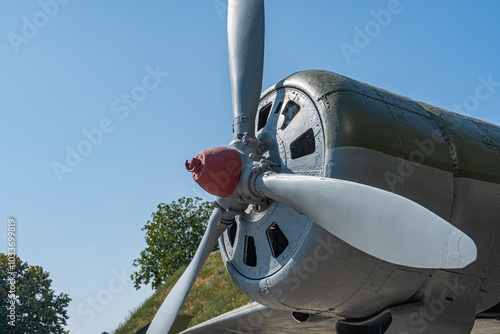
(168, 311)
(385, 225)
(245, 39)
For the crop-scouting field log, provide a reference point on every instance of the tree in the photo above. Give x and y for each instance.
(172, 236)
(27, 301)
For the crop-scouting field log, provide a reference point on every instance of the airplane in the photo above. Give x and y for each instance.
(342, 207)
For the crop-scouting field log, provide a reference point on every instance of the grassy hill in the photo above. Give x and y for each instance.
(213, 293)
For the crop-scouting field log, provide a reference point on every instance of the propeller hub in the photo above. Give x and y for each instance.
(217, 170)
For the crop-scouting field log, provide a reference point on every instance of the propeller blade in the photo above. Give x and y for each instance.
(245, 39)
(168, 311)
(383, 224)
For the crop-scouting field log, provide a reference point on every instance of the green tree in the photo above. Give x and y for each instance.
(37, 308)
(172, 236)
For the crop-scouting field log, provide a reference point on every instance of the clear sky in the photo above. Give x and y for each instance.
(148, 83)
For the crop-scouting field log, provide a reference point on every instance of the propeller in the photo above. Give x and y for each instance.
(245, 30)
(245, 40)
(165, 317)
(383, 224)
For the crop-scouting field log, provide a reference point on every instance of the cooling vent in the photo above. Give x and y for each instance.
(290, 111)
(232, 233)
(277, 239)
(250, 255)
(263, 116)
(304, 145)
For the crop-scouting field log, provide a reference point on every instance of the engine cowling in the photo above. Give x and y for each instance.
(278, 256)
(323, 124)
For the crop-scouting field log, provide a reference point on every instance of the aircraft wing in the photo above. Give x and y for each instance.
(255, 318)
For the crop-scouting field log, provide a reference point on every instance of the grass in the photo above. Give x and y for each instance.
(213, 293)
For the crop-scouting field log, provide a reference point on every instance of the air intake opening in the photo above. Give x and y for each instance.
(250, 255)
(300, 317)
(277, 239)
(304, 145)
(263, 116)
(232, 233)
(290, 111)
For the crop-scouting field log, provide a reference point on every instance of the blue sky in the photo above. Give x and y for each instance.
(73, 69)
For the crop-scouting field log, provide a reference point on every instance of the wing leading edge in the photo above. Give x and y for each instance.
(258, 319)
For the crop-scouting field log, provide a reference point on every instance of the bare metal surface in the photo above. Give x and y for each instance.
(258, 319)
